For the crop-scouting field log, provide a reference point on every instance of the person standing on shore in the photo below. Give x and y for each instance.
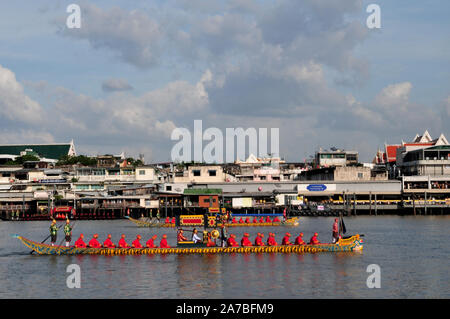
(68, 232)
(53, 232)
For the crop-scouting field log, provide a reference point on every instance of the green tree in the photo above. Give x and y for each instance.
(22, 159)
(80, 159)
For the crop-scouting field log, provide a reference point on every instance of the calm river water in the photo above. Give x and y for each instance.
(412, 252)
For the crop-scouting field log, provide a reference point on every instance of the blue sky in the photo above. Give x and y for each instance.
(138, 69)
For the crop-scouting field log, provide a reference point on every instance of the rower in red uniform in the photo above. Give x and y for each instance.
(271, 240)
(180, 236)
(245, 242)
(122, 242)
(163, 243)
(299, 240)
(80, 243)
(231, 242)
(276, 220)
(241, 221)
(247, 220)
(285, 240)
(173, 220)
(108, 243)
(136, 243)
(314, 240)
(234, 220)
(93, 243)
(261, 220)
(167, 220)
(258, 240)
(150, 243)
(268, 220)
(255, 221)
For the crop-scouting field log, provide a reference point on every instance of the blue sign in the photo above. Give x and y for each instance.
(316, 187)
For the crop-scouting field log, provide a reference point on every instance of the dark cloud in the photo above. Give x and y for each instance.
(112, 85)
(132, 35)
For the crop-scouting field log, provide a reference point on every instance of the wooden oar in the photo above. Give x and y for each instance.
(46, 239)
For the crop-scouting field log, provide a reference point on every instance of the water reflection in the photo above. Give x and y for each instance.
(408, 270)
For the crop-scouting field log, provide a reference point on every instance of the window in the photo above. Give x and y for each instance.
(141, 172)
(196, 172)
(168, 188)
(360, 175)
(212, 172)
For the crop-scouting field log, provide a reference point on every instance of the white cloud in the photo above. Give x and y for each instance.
(394, 96)
(15, 105)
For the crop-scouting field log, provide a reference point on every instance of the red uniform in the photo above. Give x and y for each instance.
(123, 243)
(108, 243)
(247, 220)
(268, 220)
(167, 220)
(335, 227)
(276, 220)
(261, 220)
(93, 243)
(258, 241)
(241, 221)
(163, 243)
(80, 243)
(286, 241)
(210, 243)
(255, 220)
(299, 240)
(173, 220)
(136, 243)
(245, 242)
(234, 220)
(314, 240)
(271, 241)
(150, 243)
(231, 242)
